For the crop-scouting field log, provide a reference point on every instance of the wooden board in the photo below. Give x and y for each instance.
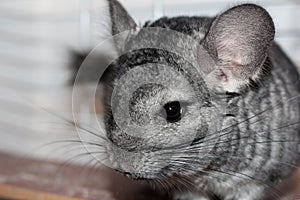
(30, 179)
(13, 192)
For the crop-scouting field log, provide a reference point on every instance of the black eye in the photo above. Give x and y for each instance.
(173, 111)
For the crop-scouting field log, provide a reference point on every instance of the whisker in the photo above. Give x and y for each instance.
(209, 145)
(70, 160)
(183, 145)
(275, 191)
(75, 124)
(240, 175)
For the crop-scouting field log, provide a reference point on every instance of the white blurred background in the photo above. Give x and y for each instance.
(36, 37)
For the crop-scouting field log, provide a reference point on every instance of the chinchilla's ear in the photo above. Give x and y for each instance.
(120, 21)
(238, 41)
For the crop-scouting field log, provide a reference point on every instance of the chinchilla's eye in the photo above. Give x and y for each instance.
(172, 111)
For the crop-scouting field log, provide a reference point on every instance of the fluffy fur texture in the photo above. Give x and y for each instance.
(239, 130)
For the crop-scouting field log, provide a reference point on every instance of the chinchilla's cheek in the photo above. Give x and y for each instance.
(213, 118)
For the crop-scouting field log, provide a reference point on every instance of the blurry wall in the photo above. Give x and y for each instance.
(36, 37)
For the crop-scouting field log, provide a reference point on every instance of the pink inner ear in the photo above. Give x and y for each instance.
(231, 65)
(230, 53)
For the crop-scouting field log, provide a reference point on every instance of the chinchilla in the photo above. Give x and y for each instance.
(202, 107)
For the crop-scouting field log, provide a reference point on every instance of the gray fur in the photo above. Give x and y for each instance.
(256, 146)
(121, 21)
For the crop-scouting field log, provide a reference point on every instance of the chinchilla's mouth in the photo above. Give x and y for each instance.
(138, 176)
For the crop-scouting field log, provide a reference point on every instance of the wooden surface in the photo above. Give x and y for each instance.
(13, 192)
(28, 179)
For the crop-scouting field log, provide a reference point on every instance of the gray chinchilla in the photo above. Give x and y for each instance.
(202, 107)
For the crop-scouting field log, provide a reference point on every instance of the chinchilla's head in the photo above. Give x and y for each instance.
(165, 97)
